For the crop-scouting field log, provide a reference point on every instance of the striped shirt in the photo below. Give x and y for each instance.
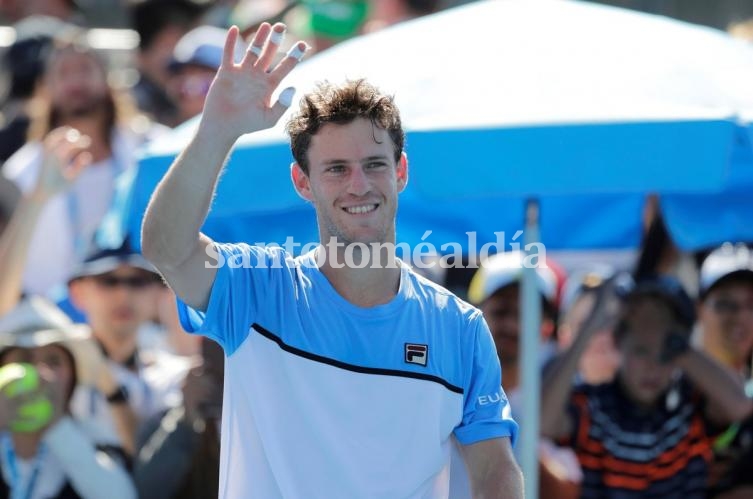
(626, 452)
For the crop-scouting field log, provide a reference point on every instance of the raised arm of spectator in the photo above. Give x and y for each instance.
(239, 101)
(725, 394)
(557, 380)
(65, 157)
(94, 371)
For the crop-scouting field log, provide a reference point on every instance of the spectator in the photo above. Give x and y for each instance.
(179, 454)
(61, 459)
(160, 24)
(726, 324)
(726, 307)
(118, 290)
(194, 63)
(23, 64)
(80, 97)
(647, 433)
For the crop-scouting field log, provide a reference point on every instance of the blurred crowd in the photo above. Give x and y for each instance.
(646, 387)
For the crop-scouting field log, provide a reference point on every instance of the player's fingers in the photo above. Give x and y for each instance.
(254, 50)
(291, 60)
(271, 47)
(228, 53)
(284, 100)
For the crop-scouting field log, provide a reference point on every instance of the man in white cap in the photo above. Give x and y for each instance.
(726, 323)
(726, 306)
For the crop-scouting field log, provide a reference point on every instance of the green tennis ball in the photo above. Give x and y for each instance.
(34, 414)
(17, 379)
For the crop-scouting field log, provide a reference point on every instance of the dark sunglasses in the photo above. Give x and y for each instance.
(110, 282)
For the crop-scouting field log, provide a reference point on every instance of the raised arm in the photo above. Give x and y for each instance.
(727, 402)
(64, 158)
(557, 381)
(239, 101)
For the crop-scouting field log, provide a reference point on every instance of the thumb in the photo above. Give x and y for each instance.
(284, 100)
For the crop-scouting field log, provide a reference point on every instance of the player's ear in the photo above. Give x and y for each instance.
(300, 181)
(402, 172)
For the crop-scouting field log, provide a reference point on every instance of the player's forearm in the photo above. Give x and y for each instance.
(181, 201)
(717, 384)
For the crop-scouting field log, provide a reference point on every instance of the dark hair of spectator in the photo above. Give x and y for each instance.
(150, 17)
(44, 117)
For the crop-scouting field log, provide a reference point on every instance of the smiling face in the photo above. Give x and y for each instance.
(726, 316)
(353, 181)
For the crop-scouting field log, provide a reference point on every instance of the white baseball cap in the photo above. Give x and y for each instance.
(723, 262)
(503, 269)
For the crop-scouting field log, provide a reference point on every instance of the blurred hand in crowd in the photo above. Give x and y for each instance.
(65, 157)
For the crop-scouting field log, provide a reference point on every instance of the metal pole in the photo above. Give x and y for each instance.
(529, 363)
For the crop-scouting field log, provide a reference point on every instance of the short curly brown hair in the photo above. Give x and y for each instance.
(341, 105)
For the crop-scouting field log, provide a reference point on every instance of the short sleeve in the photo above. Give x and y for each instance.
(486, 410)
(246, 277)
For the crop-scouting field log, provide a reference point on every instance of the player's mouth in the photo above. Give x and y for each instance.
(361, 209)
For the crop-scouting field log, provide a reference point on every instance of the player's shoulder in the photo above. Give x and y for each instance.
(244, 255)
(444, 301)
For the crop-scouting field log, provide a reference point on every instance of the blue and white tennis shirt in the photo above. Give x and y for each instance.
(325, 399)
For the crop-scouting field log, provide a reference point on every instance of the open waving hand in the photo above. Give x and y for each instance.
(240, 98)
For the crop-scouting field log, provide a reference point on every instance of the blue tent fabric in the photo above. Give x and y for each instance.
(265, 209)
(703, 221)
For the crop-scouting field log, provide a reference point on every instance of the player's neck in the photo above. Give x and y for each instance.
(365, 287)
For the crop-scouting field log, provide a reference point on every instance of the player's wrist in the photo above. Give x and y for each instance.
(216, 134)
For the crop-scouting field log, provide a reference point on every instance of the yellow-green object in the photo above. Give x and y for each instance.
(17, 380)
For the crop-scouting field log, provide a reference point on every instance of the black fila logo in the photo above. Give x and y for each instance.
(416, 354)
